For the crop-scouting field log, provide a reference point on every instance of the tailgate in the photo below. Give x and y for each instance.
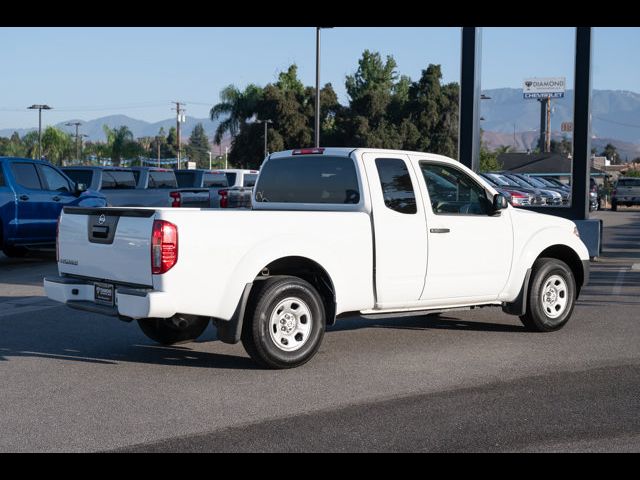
(112, 244)
(194, 198)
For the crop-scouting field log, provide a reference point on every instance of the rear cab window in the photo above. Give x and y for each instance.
(211, 180)
(250, 179)
(186, 178)
(231, 178)
(310, 179)
(117, 180)
(80, 176)
(629, 182)
(160, 179)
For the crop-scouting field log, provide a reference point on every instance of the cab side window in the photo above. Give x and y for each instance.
(397, 189)
(452, 191)
(26, 175)
(54, 180)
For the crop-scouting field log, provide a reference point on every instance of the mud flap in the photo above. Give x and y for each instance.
(519, 305)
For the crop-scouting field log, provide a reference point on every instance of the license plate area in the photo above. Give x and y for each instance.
(103, 293)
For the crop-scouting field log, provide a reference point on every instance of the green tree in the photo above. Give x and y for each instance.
(170, 147)
(120, 143)
(611, 153)
(237, 106)
(56, 145)
(199, 148)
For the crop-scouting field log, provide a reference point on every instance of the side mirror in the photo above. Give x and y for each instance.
(499, 202)
(80, 187)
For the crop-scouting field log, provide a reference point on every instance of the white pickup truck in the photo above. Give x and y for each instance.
(331, 232)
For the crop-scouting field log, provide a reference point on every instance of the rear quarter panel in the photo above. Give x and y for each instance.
(220, 251)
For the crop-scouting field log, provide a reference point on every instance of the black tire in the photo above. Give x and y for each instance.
(539, 316)
(257, 337)
(14, 252)
(170, 331)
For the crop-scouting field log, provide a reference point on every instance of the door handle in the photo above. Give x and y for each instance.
(56, 198)
(24, 197)
(439, 230)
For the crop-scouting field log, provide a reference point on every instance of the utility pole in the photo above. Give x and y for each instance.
(317, 119)
(548, 129)
(226, 150)
(179, 119)
(158, 138)
(39, 108)
(76, 124)
(265, 134)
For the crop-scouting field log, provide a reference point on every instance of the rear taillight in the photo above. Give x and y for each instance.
(224, 198)
(164, 246)
(177, 199)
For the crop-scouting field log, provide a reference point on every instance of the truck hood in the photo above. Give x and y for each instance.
(540, 219)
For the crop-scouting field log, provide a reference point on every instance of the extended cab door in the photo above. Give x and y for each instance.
(470, 248)
(32, 203)
(399, 229)
(59, 192)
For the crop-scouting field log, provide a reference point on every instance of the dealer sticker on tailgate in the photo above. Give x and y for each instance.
(103, 293)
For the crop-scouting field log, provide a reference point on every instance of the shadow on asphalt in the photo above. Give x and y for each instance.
(87, 339)
(424, 322)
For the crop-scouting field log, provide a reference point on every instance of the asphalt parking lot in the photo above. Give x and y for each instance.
(464, 381)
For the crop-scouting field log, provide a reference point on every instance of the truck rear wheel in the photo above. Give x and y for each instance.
(284, 324)
(177, 329)
(551, 296)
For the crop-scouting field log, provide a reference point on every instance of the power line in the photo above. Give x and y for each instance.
(617, 123)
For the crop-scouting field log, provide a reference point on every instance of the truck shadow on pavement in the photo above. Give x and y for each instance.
(425, 322)
(88, 340)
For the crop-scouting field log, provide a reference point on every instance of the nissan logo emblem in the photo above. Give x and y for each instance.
(102, 219)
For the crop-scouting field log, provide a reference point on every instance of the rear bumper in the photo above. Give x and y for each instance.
(129, 302)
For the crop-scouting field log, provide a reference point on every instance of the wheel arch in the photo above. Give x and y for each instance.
(569, 256)
(310, 271)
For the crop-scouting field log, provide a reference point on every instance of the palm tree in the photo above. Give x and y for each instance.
(239, 106)
(119, 142)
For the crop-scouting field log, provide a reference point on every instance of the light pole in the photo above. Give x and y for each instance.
(39, 108)
(209, 152)
(265, 133)
(317, 123)
(76, 124)
(226, 150)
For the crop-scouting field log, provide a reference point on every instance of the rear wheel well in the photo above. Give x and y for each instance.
(310, 271)
(570, 257)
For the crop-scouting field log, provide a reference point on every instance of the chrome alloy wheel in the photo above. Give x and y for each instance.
(554, 296)
(290, 324)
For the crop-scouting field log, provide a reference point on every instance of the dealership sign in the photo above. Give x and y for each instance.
(553, 87)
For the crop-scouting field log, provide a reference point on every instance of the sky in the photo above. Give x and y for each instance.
(86, 73)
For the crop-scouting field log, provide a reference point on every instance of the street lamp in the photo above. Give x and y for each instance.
(317, 127)
(76, 124)
(39, 108)
(265, 133)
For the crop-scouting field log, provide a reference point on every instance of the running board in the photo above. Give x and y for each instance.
(372, 314)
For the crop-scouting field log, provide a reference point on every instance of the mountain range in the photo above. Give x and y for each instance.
(615, 119)
(139, 128)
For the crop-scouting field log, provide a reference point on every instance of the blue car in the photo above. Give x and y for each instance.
(32, 195)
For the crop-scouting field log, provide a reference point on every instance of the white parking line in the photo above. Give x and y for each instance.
(617, 287)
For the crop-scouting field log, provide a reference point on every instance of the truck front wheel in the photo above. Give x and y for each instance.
(551, 296)
(284, 323)
(177, 329)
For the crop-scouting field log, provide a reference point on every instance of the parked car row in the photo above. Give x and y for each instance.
(32, 195)
(529, 189)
